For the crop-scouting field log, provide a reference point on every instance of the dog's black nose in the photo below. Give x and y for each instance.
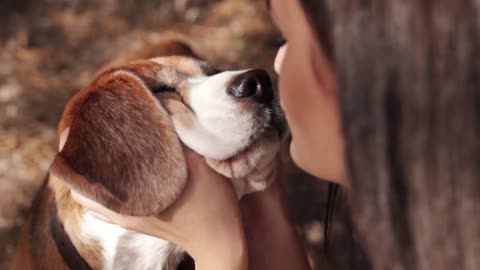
(254, 84)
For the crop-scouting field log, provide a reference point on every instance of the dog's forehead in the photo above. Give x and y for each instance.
(186, 65)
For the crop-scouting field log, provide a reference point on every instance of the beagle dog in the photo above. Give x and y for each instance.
(124, 150)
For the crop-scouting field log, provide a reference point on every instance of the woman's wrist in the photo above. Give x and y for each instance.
(230, 254)
(266, 207)
(270, 231)
(223, 246)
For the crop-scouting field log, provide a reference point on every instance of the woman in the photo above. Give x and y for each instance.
(386, 92)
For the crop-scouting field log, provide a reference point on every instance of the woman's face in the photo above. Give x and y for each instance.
(308, 95)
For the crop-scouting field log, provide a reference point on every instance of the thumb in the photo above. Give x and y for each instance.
(93, 208)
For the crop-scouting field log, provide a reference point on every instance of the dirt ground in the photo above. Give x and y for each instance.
(49, 49)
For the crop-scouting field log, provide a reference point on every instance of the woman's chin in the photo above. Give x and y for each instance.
(310, 161)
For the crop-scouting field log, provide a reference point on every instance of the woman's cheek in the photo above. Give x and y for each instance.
(285, 93)
(290, 90)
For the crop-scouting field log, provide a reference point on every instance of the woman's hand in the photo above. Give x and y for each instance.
(205, 220)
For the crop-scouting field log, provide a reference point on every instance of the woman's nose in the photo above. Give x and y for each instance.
(279, 58)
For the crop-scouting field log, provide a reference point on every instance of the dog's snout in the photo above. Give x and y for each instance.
(254, 84)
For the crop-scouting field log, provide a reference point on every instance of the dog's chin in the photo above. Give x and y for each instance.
(263, 148)
(253, 167)
(275, 130)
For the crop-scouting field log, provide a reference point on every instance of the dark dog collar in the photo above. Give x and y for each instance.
(65, 247)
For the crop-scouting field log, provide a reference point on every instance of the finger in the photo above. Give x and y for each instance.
(101, 212)
(96, 209)
(100, 216)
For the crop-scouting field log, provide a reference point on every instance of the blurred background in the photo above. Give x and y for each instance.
(49, 49)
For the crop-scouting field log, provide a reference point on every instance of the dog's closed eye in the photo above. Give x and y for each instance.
(149, 72)
(162, 88)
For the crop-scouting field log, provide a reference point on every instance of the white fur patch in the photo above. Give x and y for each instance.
(105, 234)
(144, 252)
(138, 251)
(222, 127)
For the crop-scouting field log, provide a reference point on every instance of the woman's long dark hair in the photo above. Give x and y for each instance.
(409, 87)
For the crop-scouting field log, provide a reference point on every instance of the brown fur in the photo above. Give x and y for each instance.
(134, 149)
(82, 163)
(36, 248)
(70, 213)
(167, 47)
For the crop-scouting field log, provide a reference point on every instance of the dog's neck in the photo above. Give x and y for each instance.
(69, 253)
(107, 246)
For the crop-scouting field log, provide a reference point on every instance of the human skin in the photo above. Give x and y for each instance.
(307, 88)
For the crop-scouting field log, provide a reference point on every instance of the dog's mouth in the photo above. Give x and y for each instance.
(279, 122)
(270, 125)
(273, 121)
(254, 89)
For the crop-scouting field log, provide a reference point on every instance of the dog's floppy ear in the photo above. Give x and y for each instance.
(166, 47)
(122, 150)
